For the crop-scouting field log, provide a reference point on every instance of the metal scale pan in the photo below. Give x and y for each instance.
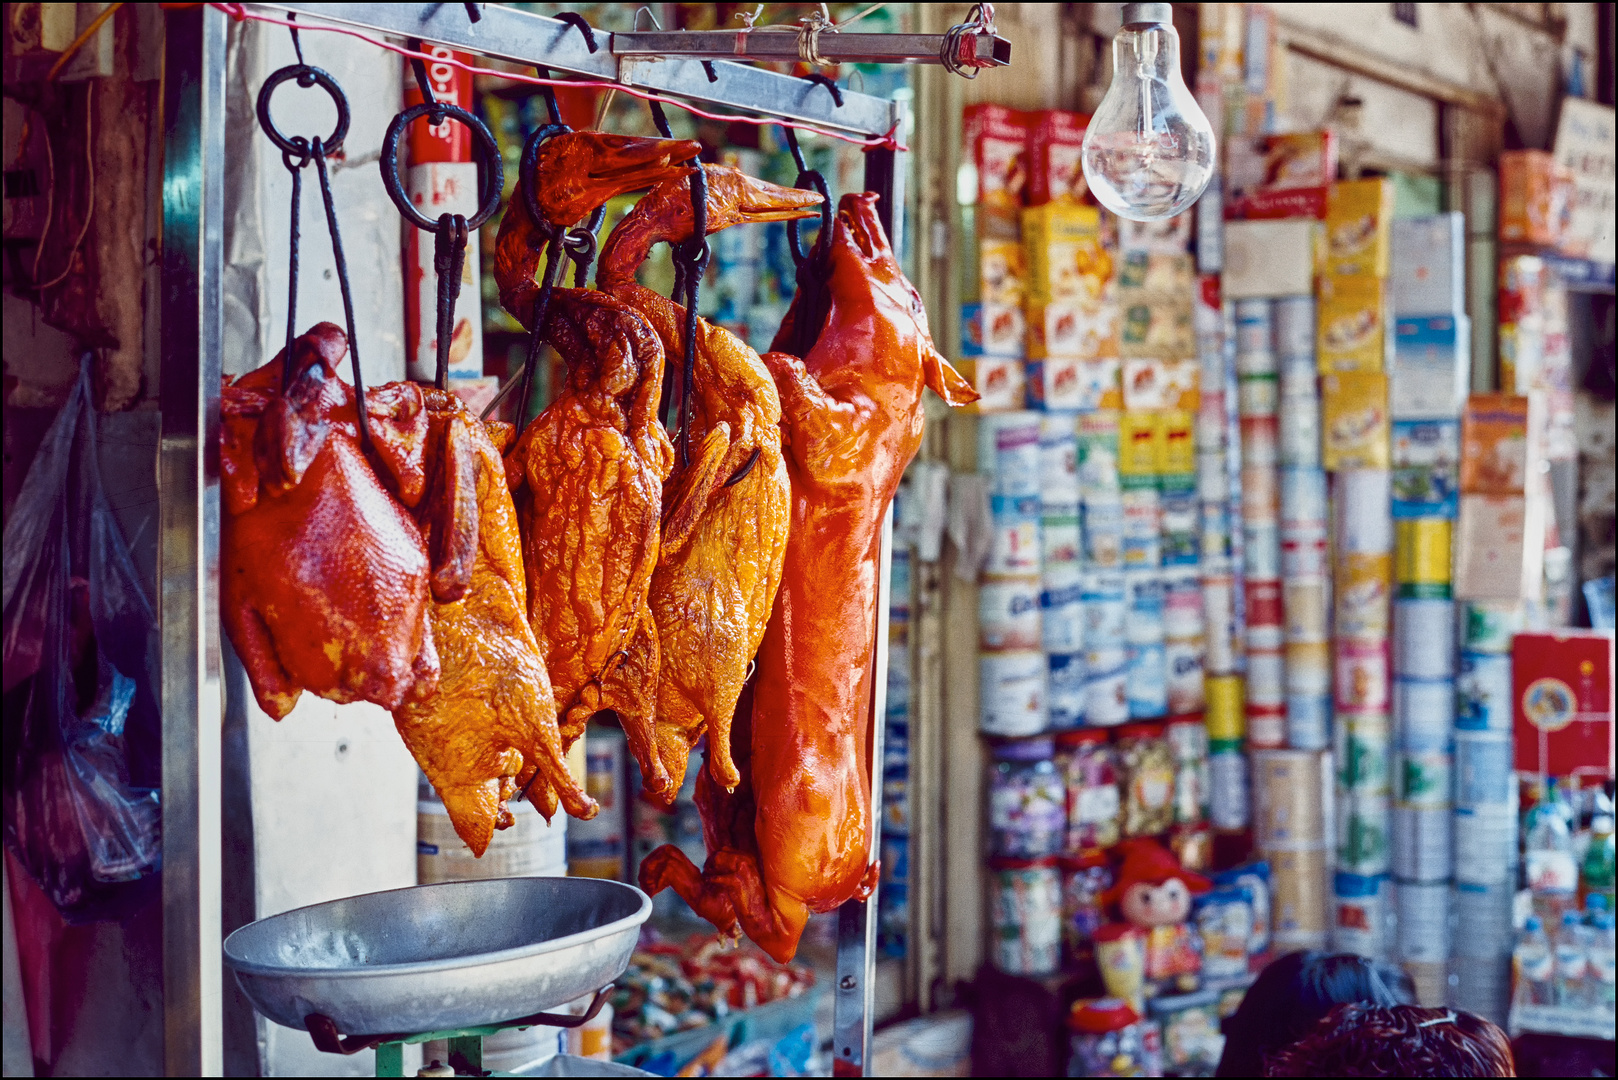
(436, 957)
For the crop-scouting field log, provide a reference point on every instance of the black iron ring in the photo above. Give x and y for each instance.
(491, 176)
(306, 76)
(530, 162)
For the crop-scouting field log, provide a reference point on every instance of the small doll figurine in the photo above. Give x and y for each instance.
(1153, 894)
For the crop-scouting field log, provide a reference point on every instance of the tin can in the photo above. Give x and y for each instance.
(1059, 458)
(1265, 603)
(1364, 826)
(1182, 603)
(1423, 911)
(1061, 614)
(1422, 557)
(1213, 476)
(1257, 395)
(1219, 622)
(1106, 686)
(1362, 676)
(1266, 678)
(1008, 451)
(1424, 712)
(1300, 429)
(1143, 601)
(1180, 541)
(1059, 539)
(1253, 327)
(1487, 626)
(1308, 669)
(1425, 777)
(1305, 552)
(1362, 747)
(1261, 549)
(1360, 914)
(1486, 845)
(1299, 905)
(1483, 700)
(1014, 544)
(1143, 541)
(1211, 420)
(1294, 321)
(1183, 659)
(1305, 603)
(1483, 912)
(1103, 532)
(1261, 494)
(1064, 690)
(1421, 844)
(1106, 611)
(1225, 714)
(1482, 769)
(1011, 694)
(1308, 720)
(1303, 497)
(1364, 517)
(1147, 683)
(1008, 614)
(1266, 727)
(1260, 441)
(1227, 788)
(1026, 913)
(1216, 543)
(1288, 805)
(1363, 597)
(1424, 638)
(1299, 380)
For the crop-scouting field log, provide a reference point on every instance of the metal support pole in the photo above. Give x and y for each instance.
(188, 477)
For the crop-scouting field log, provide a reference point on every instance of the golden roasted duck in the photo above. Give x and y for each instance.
(795, 837)
(490, 724)
(588, 472)
(324, 578)
(724, 521)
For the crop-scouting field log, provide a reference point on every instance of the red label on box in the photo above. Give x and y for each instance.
(451, 140)
(1280, 176)
(997, 141)
(1562, 702)
(1055, 148)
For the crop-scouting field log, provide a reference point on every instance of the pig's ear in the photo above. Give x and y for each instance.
(945, 381)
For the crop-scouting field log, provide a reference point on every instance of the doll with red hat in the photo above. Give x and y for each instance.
(1153, 893)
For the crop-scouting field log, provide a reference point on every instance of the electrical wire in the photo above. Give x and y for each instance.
(887, 141)
(89, 200)
(85, 35)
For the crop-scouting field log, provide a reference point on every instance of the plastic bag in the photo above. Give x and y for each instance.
(81, 713)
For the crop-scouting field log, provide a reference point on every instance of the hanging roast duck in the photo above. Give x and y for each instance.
(795, 836)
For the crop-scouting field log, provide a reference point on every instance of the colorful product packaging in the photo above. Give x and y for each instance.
(1432, 366)
(1067, 384)
(1496, 433)
(1071, 310)
(1151, 383)
(1494, 559)
(999, 381)
(1536, 197)
(1352, 334)
(1055, 148)
(1359, 219)
(996, 140)
(1355, 431)
(1563, 706)
(1280, 176)
(1429, 265)
(1426, 466)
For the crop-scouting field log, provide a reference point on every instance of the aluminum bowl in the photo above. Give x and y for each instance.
(435, 957)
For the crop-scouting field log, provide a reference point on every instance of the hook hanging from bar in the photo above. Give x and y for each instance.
(831, 87)
(574, 19)
(811, 265)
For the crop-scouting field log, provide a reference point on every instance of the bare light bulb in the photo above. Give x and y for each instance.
(1149, 150)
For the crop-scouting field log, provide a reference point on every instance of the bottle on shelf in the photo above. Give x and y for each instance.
(1601, 959)
(1534, 965)
(1548, 862)
(1596, 868)
(1572, 962)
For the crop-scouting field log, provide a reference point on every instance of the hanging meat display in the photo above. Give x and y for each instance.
(795, 835)
(323, 574)
(725, 514)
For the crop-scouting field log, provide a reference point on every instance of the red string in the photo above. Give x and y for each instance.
(887, 141)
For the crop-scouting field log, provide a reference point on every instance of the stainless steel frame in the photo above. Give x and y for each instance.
(193, 253)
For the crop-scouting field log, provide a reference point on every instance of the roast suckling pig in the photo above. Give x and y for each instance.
(724, 520)
(490, 724)
(588, 471)
(795, 836)
(323, 574)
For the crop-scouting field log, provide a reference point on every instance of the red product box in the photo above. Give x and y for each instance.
(997, 141)
(1055, 152)
(1280, 176)
(451, 140)
(1561, 686)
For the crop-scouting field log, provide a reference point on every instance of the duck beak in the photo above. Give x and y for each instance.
(625, 163)
(759, 201)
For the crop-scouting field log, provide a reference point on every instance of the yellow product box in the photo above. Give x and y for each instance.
(1353, 327)
(1139, 440)
(1155, 326)
(1064, 252)
(1355, 432)
(998, 380)
(1359, 228)
(1176, 442)
(1002, 272)
(1422, 556)
(1073, 328)
(1161, 384)
(1364, 585)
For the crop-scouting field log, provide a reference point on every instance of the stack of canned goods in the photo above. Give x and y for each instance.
(1289, 831)
(1061, 570)
(1012, 665)
(1363, 823)
(1258, 400)
(1485, 818)
(1102, 593)
(1028, 817)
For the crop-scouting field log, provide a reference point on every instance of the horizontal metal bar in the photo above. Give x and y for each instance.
(525, 38)
(835, 48)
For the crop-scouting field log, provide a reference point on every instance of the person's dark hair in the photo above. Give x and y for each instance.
(1291, 995)
(1373, 1040)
